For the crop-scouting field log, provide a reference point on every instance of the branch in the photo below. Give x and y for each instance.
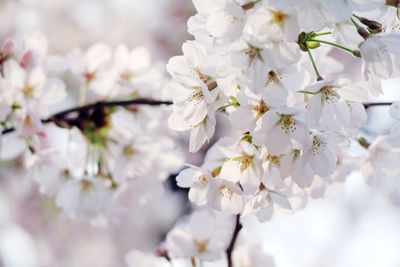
(229, 250)
(63, 116)
(373, 104)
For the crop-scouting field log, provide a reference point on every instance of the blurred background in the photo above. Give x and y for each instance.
(354, 225)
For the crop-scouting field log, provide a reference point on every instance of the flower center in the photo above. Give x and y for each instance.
(28, 90)
(89, 76)
(252, 52)
(261, 108)
(128, 151)
(201, 246)
(201, 75)
(28, 121)
(272, 77)
(226, 192)
(288, 123)
(274, 160)
(85, 185)
(196, 97)
(244, 161)
(126, 75)
(278, 17)
(202, 180)
(329, 94)
(317, 145)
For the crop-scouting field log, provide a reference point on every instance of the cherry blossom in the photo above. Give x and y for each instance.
(274, 95)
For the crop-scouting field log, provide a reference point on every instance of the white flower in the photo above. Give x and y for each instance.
(86, 197)
(279, 127)
(131, 151)
(331, 106)
(200, 132)
(195, 66)
(295, 164)
(381, 56)
(264, 203)
(198, 181)
(249, 252)
(206, 236)
(134, 71)
(382, 161)
(130, 158)
(225, 195)
(274, 83)
(191, 102)
(314, 14)
(222, 18)
(93, 69)
(252, 108)
(30, 88)
(46, 169)
(322, 153)
(243, 165)
(267, 24)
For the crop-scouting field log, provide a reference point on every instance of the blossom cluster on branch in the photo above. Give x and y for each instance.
(87, 130)
(88, 157)
(270, 68)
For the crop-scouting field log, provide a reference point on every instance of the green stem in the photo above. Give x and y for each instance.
(319, 77)
(354, 22)
(307, 92)
(234, 103)
(321, 33)
(353, 51)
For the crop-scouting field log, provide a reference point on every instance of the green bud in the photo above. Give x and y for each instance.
(313, 44)
(302, 41)
(356, 53)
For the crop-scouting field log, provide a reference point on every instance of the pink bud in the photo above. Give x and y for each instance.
(162, 252)
(8, 47)
(26, 58)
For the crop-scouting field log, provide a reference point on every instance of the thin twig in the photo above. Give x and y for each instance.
(61, 116)
(319, 77)
(355, 52)
(229, 250)
(375, 104)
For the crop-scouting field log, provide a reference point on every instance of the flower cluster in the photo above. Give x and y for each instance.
(204, 236)
(291, 78)
(28, 88)
(267, 67)
(88, 157)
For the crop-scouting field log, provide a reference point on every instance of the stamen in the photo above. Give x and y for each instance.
(288, 123)
(226, 192)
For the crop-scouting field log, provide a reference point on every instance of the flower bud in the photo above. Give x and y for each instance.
(362, 32)
(302, 41)
(373, 26)
(313, 44)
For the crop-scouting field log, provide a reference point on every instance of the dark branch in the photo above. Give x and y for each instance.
(65, 116)
(229, 250)
(374, 104)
